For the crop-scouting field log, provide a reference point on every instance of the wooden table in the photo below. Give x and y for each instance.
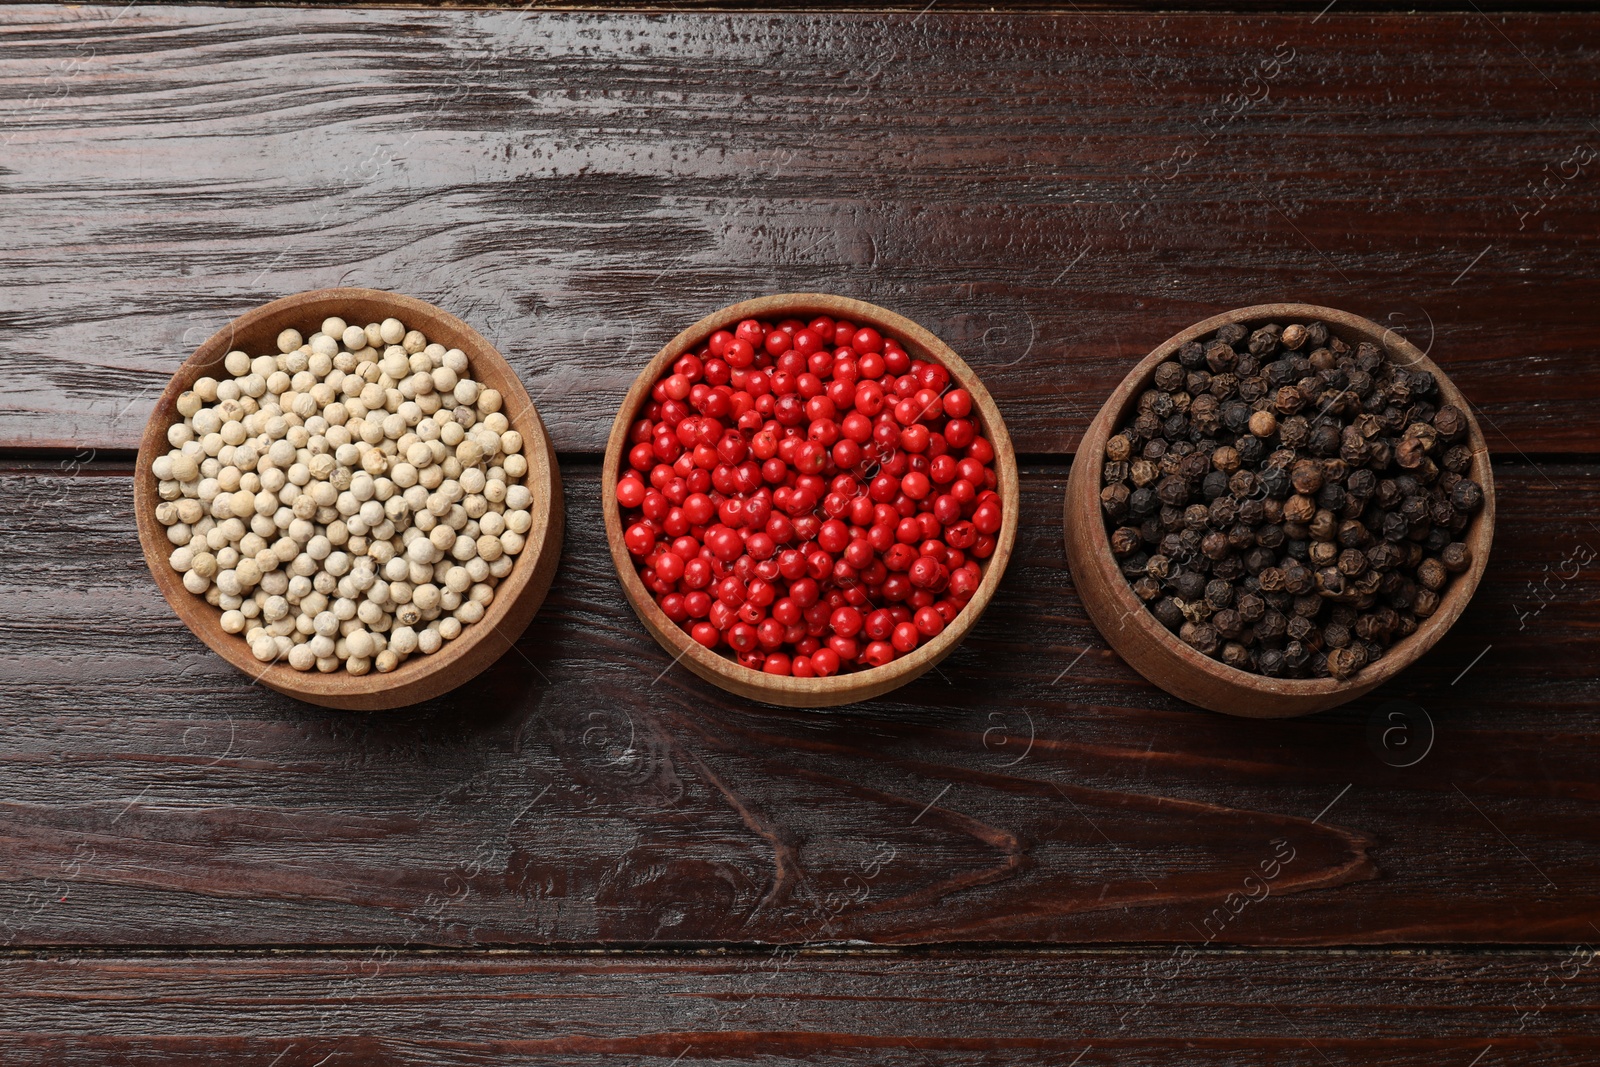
(588, 856)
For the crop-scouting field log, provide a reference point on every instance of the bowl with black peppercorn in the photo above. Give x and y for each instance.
(1279, 509)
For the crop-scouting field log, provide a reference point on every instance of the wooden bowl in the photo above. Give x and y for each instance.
(1157, 653)
(518, 595)
(842, 688)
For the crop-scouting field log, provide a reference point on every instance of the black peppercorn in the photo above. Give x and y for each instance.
(1457, 459)
(1336, 635)
(1114, 499)
(1306, 476)
(1236, 416)
(1287, 401)
(1410, 452)
(1323, 553)
(1251, 607)
(1202, 637)
(1229, 567)
(1345, 662)
(1142, 503)
(1251, 450)
(1214, 545)
(1361, 483)
(1188, 584)
(1354, 534)
(1348, 531)
(1466, 496)
(1415, 510)
(1273, 625)
(1324, 440)
(1456, 557)
(1258, 559)
(1352, 563)
(1125, 541)
(1173, 490)
(1221, 357)
(1394, 526)
(1275, 482)
(1324, 525)
(1298, 579)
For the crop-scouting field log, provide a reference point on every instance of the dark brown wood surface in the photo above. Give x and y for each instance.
(589, 856)
(584, 790)
(1053, 194)
(1087, 1008)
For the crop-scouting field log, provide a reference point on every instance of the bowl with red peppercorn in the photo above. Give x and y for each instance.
(809, 499)
(1279, 509)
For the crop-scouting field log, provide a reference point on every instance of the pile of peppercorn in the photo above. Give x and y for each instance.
(1289, 504)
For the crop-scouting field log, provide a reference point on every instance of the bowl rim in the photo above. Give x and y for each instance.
(1398, 656)
(372, 689)
(845, 686)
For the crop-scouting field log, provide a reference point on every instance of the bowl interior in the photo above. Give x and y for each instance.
(843, 687)
(255, 333)
(1351, 329)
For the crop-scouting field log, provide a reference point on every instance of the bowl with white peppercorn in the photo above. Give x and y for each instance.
(1279, 509)
(348, 495)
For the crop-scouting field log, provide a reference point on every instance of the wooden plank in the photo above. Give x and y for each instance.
(1052, 193)
(586, 791)
(1405, 1009)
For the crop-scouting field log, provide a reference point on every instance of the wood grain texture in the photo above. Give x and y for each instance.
(1094, 1008)
(1052, 194)
(587, 791)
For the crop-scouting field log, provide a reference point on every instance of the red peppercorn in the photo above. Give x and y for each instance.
(809, 495)
(878, 653)
(906, 637)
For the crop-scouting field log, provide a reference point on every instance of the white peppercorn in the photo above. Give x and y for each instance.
(356, 482)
